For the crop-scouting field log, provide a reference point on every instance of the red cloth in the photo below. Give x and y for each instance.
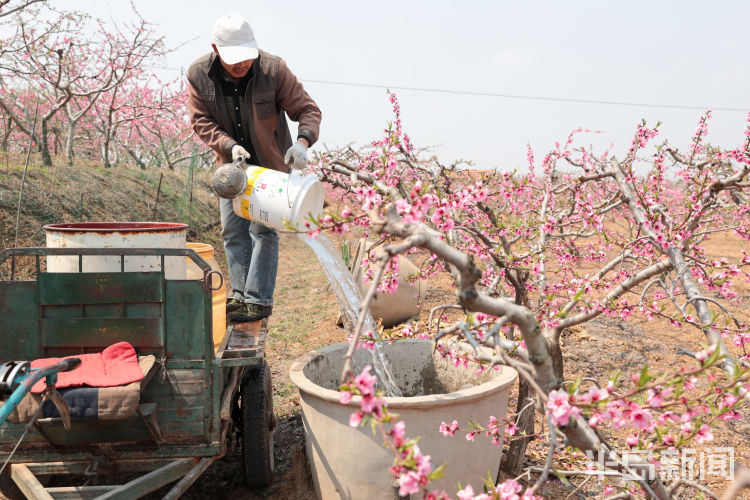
(115, 365)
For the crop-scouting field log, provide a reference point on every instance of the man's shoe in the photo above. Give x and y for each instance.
(234, 304)
(250, 312)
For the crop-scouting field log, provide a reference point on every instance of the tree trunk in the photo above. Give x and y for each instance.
(57, 144)
(6, 134)
(105, 152)
(553, 348)
(137, 159)
(115, 157)
(44, 145)
(69, 143)
(512, 463)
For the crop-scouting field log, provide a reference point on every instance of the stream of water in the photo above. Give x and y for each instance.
(349, 299)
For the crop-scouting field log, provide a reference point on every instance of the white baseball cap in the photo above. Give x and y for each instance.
(234, 39)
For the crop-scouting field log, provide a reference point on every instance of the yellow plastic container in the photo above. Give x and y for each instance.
(219, 297)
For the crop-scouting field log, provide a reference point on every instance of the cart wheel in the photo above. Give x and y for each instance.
(257, 426)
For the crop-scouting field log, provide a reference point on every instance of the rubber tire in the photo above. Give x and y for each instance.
(256, 407)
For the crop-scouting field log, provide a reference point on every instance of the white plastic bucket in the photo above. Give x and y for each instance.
(116, 235)
(279, 200)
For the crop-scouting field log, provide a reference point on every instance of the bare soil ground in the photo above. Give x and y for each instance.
(304, 319)
(305, 312)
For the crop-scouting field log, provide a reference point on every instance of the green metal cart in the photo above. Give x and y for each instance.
(194, 402)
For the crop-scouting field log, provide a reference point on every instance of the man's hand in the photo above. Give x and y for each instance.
(239, 151)
(296, 156)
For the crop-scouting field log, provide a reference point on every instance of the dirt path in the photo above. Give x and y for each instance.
(303, 320)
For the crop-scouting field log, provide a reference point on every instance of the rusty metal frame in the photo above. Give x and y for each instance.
(222, 374)
(121, 252)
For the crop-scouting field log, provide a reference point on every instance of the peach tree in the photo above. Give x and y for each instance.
(535, 253)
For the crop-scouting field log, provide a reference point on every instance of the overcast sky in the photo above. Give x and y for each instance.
(675, 53)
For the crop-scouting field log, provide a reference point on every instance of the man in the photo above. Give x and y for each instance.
(237, 98)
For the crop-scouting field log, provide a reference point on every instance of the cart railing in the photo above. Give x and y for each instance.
(38, 252)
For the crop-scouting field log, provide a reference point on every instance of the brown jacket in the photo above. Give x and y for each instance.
(272, 91)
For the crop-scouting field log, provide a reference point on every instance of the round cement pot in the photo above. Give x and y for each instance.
(391, 308)
(351, 463)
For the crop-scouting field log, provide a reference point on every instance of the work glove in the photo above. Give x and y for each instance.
(296, 156)
(238, 151)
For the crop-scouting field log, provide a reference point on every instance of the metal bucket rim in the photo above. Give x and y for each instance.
(115, 227)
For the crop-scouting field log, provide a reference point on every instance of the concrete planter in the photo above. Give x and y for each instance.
(390, 308)
(351, 463)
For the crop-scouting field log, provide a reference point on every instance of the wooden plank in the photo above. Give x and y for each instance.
(240, 354)
(216, 381)
(79, 492)
(224, 340)
(91, 431)
(28, 483)
(99, 288)
(11, 433)
(187, 447)
(107, 310)
(245, 340)
(180, 399)
(178, 382)
(183, 424)
(179, 419)
(19, 321)
(189, 478)
(151, 481)
(102, 332)
(143, 310)
(225, 410)
(230, 362)
(250, 327)
(197, 364)
(185, 318)
(58, 468)
(119, 466)
(70, 311)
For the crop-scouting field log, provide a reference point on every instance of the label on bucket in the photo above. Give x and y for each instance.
(279, 200)
(246, 206)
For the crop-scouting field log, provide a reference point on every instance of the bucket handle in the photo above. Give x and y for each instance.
(210, 280)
